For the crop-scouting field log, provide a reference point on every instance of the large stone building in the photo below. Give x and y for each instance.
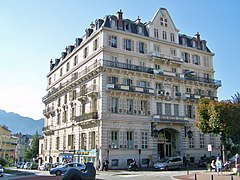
(8, 144)
(128, 89)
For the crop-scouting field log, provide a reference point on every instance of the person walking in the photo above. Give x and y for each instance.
(219, 165)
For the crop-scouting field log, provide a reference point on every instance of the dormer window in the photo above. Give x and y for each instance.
(113, 23)
(140, 30)
(184, 41)
(204, 48)
(127, 26)
(193, 43)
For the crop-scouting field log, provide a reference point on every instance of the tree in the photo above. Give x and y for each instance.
(236, 98)
(32, 151)
(218, 118)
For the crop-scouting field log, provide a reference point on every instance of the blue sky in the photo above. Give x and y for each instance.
(33, 32)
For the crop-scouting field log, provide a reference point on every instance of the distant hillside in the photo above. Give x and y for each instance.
(20, 124)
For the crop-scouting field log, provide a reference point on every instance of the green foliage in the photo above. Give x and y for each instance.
(32, 151)
(3, 162)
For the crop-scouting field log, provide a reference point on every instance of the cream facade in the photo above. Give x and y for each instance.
(128, 89)
(8, 144)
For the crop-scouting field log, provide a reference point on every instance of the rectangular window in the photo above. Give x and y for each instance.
(144, 140)
(57, 143)
(95, 44)
(168, 109)
(113, 41)
(159, 108)
(75, 61)
(189, 111)
(58, 118)
(83, 140)
(61, 72)
(93, 141)
(68, 67)
(49, 81)
(140, 30)
(164, 35)
(141, 47)
(211, 139)
(130, 140)
(176, 109)
(113, 23)
(156, 33)
(143, 107)
(112, 79)
(115, 162)
(189, 90)
(206, 61)
(114, 103)
(196, 59)
(128, 44)
(156, 48)
(172, 38)
(128, 82)
(173, 52)
(129, 106)
(127, 26)
(191, 142)
(186, 57)
(201, 140)
(85, 53)
(115, 139)
(70, 141)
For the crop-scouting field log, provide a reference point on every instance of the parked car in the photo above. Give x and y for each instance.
(26, 165)
(62, 169)
(33, 165)
(19, 164)
(1, 171)
(169, 163)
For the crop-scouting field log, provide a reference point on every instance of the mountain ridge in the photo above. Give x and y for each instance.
(27, 125)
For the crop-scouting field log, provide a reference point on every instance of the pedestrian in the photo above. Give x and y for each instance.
(219, 165)
(212, 166)
(148, 161)
(105, 164)
(184, 161)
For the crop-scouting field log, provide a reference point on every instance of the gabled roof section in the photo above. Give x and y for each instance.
(163, 12)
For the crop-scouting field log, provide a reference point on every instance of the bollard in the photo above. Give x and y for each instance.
(212, 177)
(195, 177)
(231, 178)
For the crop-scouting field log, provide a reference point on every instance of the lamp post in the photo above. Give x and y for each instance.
(189, 135)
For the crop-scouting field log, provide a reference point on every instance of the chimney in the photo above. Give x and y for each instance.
(120, 20)
(51, 65)
(138, 20)
(198, 39)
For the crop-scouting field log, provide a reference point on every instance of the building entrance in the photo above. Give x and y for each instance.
(166, 143)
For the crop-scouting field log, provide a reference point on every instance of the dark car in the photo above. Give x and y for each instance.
(1, 170)
(62, 169)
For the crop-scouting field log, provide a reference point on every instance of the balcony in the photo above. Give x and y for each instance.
(123, 87)
(215, 82)
(165, 56)
(127, 66)
(170, 119)
(87, 116)
(92, 90)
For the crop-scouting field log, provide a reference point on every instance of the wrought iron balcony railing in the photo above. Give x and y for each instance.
(92, 115)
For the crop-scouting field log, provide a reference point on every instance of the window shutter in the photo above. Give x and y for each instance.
(116, 80)
(124, 106)
(199, 61)
(145, 48)
(124, 43)
(193, 111)
(109, 104)
(189, 59)
(148, 84)
(109, 40)
(120, 139)
(70, 95)
(135, 139)
(138, 83)
(137, 46)
(132, 48)
(124, 81)
(109, 134)
(148, 108)
(120, 105)
(134, 106)
(89, 140)
(125, 139)
(139, 106)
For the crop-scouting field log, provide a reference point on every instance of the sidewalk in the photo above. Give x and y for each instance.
(207, 176)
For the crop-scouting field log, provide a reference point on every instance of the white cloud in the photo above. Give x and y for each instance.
(22, 100)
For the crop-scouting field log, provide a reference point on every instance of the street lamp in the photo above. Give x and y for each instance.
(189, 134)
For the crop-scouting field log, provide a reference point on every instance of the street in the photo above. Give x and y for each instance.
(101, 175)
